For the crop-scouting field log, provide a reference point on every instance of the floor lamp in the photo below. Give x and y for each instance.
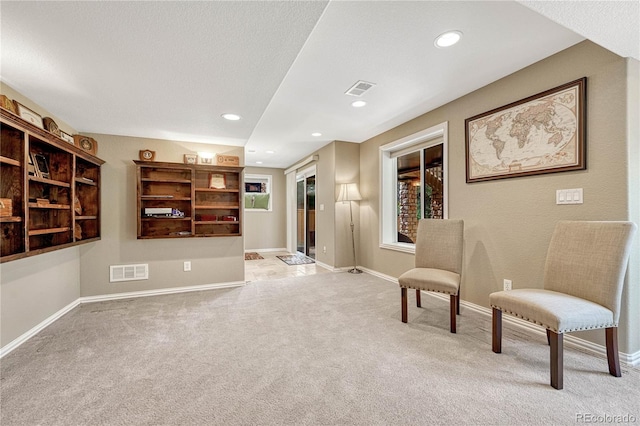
(348, 193)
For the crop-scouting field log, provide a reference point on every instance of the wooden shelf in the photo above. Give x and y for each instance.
(9, 161)
(158, 181)
(218, 207)
(216, 190)
(165, 218)
(49, 206)
(9, 219)
(215, 222)
(48, 231)
(50, 181)
(164, 198)
(166, 180)
(85, 182)
(42, 228)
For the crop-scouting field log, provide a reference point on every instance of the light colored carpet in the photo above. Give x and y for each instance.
(324, 349)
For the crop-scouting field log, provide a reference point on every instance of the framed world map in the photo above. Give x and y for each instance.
(543, 133)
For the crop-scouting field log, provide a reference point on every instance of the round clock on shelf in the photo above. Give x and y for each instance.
(147, 155)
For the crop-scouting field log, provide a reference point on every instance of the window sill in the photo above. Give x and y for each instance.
(403, 247)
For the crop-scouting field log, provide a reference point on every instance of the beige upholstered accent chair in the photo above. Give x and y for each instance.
(583, 279)
(438, 264)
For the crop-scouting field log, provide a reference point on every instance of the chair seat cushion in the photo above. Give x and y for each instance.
(428, 279)
(558, 312)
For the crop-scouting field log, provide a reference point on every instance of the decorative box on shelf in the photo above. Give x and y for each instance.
(6, 207)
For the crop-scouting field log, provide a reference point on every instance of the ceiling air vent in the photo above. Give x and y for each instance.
(359, 88)
(128, 272)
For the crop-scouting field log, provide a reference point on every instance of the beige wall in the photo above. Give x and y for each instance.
(347, 170)
(337, 163)
(213, 260)
(267, 229)
(508, 223)
(34, 288)
(631, 295)
(325, 184)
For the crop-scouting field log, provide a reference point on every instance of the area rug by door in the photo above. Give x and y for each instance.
(295, 259)
(252, 256)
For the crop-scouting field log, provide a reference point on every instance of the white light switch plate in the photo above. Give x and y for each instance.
(569, 196)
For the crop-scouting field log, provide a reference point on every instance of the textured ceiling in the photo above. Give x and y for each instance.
(168, 70)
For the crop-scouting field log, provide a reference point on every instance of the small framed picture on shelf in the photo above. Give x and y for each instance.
(205, 160)
(190, 159)
(31, 166)
(217, 181)
(66, 137)
(29, 115)
(42, 166)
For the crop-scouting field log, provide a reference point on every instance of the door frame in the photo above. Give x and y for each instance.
(292, 198)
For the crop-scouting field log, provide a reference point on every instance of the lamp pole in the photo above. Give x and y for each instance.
(355, 269)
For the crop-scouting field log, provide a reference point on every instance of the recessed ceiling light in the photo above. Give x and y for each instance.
(316, 134)
(448, 39)
(270, 152)
(251, 151)
(258, 162)
(232, 117)
(358, 104)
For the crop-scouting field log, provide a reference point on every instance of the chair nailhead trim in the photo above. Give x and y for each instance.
(552, 328)
(425, 289)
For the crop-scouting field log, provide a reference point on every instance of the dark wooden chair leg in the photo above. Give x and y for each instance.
(496, 333)
(458, 303)
(452, 312)
(403, 302)
(611, 335)
(548, 336)
(557, 356)
(418, 301)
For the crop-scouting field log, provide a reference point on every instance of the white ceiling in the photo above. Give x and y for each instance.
(168, 70)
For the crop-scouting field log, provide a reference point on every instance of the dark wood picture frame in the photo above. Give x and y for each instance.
(560, 112)
(42, 166)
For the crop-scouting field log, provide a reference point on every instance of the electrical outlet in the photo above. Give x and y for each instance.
(324, 249)
(507, 285)
(187, 266)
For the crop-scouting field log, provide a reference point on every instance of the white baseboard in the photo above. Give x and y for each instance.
(35, 330)
(631, 360)
(92, 299)
(265, 250)
(329, 267)
(158, 292)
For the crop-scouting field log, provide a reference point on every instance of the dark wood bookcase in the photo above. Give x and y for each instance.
(190, 206)
(53, 206)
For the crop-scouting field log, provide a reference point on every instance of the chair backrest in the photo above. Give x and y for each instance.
(439, 244)
(589, 260)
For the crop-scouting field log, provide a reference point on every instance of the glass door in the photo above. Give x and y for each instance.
(306, 214)
(300, 216)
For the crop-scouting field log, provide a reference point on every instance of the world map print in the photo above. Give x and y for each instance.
(536, 135)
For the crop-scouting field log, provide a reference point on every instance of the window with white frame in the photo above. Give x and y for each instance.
(413, 185)
(257, 192)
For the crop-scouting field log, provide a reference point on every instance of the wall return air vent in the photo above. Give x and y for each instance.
(128, 272)
(360, 88)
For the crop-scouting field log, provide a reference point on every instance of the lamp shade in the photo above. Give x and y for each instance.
(349, 192)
